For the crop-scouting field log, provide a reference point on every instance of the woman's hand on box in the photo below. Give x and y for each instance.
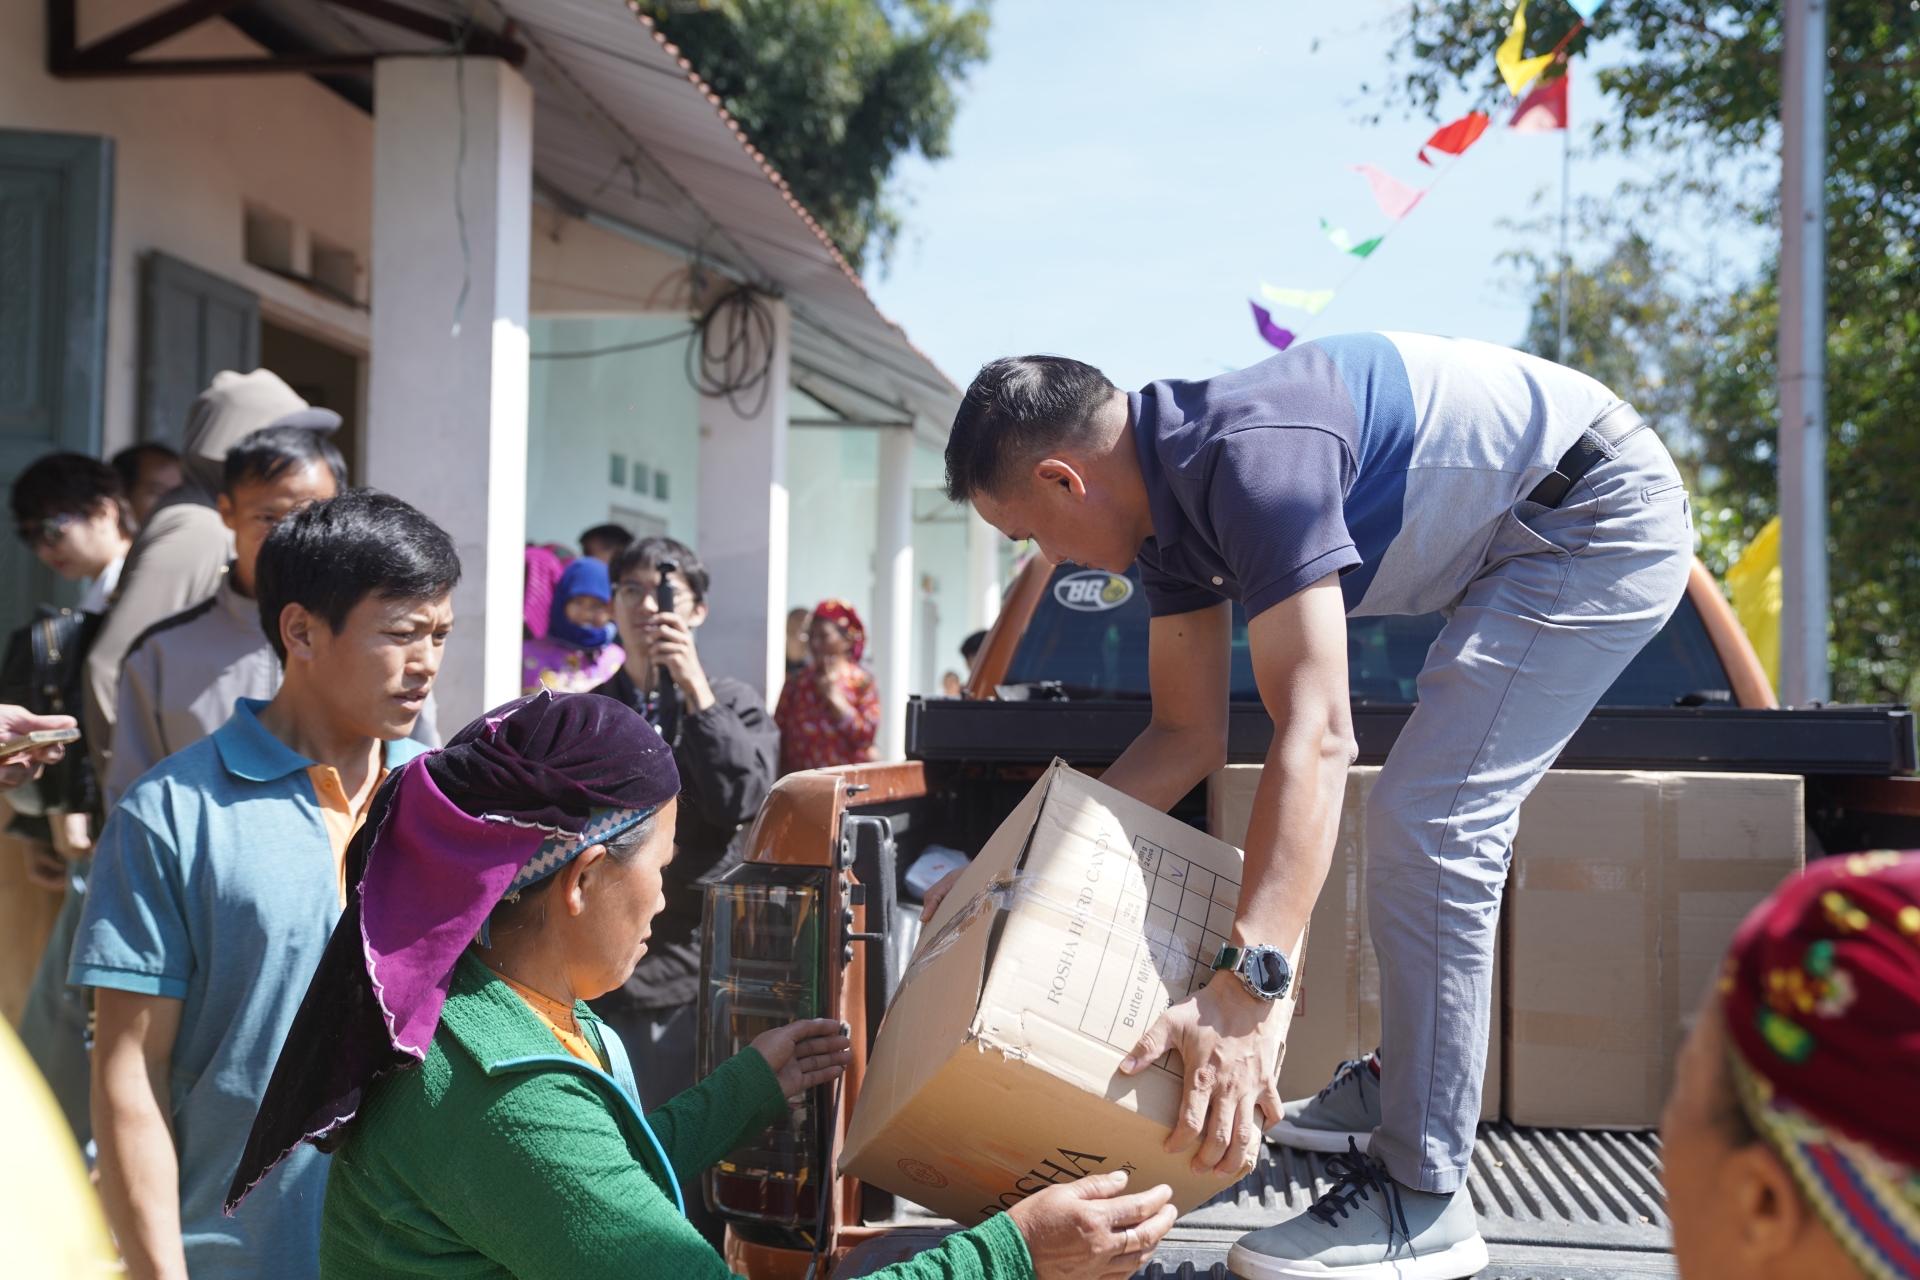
(1229, 1041)
(806, 1053)
(1088, 1230)
(938, 894)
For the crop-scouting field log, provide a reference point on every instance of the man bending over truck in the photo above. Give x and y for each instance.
(1363, 474)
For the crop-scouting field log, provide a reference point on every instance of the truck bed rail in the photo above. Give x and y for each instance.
(1864, 740)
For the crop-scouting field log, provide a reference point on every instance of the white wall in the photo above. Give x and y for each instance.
(189, 154)
(834, 473)
(939, 555)
(637, 404)
(831, 474)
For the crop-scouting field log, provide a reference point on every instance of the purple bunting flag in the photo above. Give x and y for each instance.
(1273, 333)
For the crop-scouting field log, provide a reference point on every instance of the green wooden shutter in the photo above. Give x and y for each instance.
(56, 217)
(193, 324)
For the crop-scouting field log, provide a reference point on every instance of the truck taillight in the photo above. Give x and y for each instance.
(764, 956)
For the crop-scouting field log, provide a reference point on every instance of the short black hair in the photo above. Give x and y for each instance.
(330, 556)
(971, 645)
(68, 484)
(130, 459)
(649, 552)
(615, 535)
(1016, 409)
(269, 453)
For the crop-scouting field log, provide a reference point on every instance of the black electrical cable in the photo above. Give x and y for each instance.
(678, 335)
(735, 351)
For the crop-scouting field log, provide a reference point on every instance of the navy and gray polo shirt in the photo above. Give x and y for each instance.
(1389, 458)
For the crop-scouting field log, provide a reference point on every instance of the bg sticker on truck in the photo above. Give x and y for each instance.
(1093, 591)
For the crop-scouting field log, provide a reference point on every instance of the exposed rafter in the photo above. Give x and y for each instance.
(114, 55)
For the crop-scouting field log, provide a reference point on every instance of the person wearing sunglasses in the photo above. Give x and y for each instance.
(68, 508)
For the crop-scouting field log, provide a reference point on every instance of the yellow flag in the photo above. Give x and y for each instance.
(1754, 584)
(1517, 71)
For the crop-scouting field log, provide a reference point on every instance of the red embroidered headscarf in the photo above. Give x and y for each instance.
(841, 614)
(1821, 996)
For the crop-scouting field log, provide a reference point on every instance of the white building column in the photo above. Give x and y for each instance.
(447, 386)
(893, 594)
(983, 572)
(743, 523)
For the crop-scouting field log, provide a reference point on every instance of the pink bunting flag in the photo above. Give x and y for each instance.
(1273, 333)
(1395, 198)
(1456, 137)
(1544, 110)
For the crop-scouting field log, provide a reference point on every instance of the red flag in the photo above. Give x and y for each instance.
(1543, 110)
(1455, 138)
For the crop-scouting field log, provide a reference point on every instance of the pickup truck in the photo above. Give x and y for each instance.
(817, 920)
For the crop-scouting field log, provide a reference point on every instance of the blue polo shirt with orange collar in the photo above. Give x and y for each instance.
(217, 882)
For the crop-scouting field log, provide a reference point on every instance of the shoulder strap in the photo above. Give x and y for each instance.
(620, 1067)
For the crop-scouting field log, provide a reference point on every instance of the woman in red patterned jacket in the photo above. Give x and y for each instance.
(829, 711)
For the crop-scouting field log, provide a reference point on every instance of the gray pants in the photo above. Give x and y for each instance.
(1564, 600)
(53, 1027)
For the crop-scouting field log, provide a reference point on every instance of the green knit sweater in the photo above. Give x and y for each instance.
(501, 1156)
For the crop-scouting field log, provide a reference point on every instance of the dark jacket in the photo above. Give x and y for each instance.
(728, 756)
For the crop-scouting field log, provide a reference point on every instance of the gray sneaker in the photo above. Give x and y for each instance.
(1346, 1111)
(1367, 1227)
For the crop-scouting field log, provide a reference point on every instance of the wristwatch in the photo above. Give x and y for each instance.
(1264, 970)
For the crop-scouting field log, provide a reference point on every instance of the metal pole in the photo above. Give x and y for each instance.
(1566, 177)
(1804, 677)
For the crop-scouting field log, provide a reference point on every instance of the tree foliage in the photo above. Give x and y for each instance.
(1700, 84)
(835, 92)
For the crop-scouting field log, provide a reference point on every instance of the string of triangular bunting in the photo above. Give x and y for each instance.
(1542, 110)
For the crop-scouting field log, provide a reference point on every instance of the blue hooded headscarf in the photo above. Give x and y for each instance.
(583, 577)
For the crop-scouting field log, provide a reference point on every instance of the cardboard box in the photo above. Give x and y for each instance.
(996, 1071)
(1626, 889)
(1336, 1014)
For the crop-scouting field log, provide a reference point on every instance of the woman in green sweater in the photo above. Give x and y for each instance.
(483, 1122)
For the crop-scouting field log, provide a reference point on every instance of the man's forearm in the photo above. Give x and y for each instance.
(139, 1169)
(1165, 762)
(1290, 838)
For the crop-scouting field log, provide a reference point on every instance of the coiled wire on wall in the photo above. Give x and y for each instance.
(734, 351)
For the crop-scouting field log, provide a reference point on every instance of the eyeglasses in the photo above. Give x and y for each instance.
(632, 593)
(44, 533)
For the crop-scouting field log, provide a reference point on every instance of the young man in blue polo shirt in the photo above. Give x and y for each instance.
(218, 880)
(1364, 474)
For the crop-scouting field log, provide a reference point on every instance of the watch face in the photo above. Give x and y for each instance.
(1268, 969)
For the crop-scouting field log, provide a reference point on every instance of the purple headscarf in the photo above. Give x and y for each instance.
(448, 833)
(544, 567)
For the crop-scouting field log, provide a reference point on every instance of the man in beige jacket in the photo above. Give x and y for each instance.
(181, 552)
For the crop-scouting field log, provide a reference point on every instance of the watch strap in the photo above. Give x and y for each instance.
(1228, 957)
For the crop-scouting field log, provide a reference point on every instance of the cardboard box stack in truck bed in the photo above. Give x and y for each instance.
(1625, 888)
(997, 1068)
(1625, 891)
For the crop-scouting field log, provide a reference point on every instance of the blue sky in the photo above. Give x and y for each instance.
(1125, 175)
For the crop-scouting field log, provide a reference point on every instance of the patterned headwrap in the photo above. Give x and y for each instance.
(516, 795)
(1821, 995)
(841, 614)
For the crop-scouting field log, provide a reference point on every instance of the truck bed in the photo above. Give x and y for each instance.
(1554, 1204)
